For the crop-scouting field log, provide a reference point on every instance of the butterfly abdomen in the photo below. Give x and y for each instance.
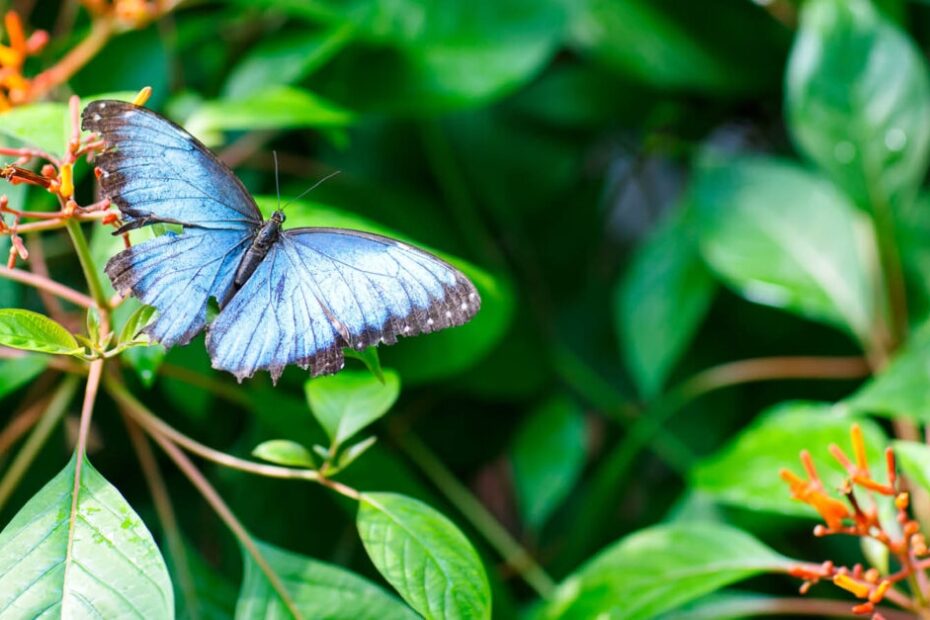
(261, 243)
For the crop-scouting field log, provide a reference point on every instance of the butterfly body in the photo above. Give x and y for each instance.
(296, 296)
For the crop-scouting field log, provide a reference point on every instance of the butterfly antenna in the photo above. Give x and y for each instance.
(312, 187)
(277, 182)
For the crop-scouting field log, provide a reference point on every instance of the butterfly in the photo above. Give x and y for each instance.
(297, 296)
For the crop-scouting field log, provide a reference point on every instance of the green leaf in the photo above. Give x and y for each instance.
(284, 452)
(347, 402)
(783, 237)
(98, 562)
(673, 45)
(15, 373)
(661, 301)
(660, 569)
(914, 460)
(369, 357)
(139, 318)
(424, 556)
(547, 456)
(902, 387)
(433, 48)
(745, 473)
(319, 590)
(427, 357)
(350, 454)
(282, 107)
(284, 59)
(24, 329)
(857, 100)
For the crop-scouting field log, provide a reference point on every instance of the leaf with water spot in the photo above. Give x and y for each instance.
(95, 561)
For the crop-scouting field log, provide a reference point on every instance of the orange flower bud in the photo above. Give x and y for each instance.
(66, 186)
(902, 501)
(859, 590)
(143, 96)
(878, 593)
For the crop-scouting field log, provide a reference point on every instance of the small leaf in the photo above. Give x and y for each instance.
(284, 452)
(350, 454)
(914, 460)
(548, 454)
(745, 472)
(15, 373)
(368, 356)
(661, 301)
(93, 325)
(784, 237)
(902, 387)
(321, 451)
(24, 329)
(857, 95)
(349, 401)
(139, 318)
(100, 562)
(319, 590)
(282, 107)
(424, 556)
(660, 569)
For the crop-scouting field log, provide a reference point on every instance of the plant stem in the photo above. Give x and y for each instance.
(226, 515)
(102, 28)
(87, 264)
(607, 480)
(166, 515)
(45, 284)
(57, 406)
(514, 555)
(749, 607)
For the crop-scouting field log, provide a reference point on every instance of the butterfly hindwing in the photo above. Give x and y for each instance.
(154, 171)
(347, 289)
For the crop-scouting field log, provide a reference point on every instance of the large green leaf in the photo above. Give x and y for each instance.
(31, 331)
(424, 556)
(347, 402)
(318, 589)
(659, 569)
(902, 388)
(547, 456)
(858, 100)
(98, 562)
(784, 237)
(661, 301)
(438, 355)
(914, 460)
(671, 44)
(745, 473)
(444, 53)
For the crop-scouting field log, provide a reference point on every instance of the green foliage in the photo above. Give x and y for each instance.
(659, 569)
(347, 402)
(31, 331)
(424, 556)
(284, 452)
(81, 555)
(320, 590)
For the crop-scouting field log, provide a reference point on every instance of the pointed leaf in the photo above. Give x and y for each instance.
(284, 452)
(24, 329)
(320, 590)
(784, 237)
(659, 569)
(660, 302)
(100, 562)
(902, 388)
(745, 472)
(858, 100)
(351, 400)
(914, 460)
(369, 357)
(548, 454)
(424, 556)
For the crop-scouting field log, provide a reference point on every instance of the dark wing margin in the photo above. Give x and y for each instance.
(155, 171)
(320, 290)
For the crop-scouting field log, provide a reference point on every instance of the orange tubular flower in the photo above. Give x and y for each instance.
(14, 86)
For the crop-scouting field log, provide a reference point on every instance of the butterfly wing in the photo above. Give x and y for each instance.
(322, 289)
(154, 171)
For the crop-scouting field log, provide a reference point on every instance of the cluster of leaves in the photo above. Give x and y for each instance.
(615, 179)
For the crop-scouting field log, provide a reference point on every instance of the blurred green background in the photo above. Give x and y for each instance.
(641, 190)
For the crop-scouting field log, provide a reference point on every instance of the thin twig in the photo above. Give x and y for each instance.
(47, 284)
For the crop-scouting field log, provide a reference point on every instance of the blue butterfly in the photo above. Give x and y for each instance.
(286, 296)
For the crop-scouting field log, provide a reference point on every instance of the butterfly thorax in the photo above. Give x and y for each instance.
(261, 243)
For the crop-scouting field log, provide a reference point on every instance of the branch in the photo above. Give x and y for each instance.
(47, 284)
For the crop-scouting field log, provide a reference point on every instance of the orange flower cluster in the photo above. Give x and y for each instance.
(134, 13)
(14, 86)
(851, 518)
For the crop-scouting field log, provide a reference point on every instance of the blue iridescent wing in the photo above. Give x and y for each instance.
(154, 171)
(321, 289)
